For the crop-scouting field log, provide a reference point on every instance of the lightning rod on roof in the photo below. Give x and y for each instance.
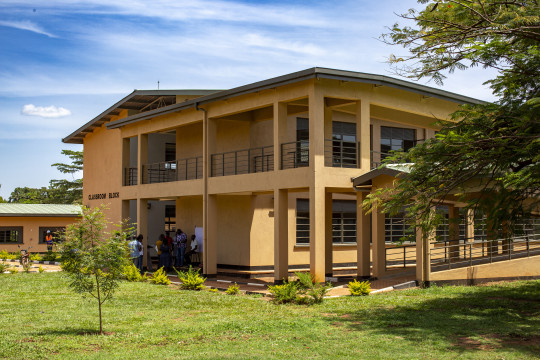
(158, 85)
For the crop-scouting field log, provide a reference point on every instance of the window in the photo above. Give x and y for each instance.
(343, 144)
(56, 232)
(395, 228)
(302, 142)
(170, 151)
(394, 139)
(11, 235)
(302, 221)
(170, 218)
(343, 221)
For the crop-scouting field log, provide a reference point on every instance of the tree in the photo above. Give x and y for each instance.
(59, 191)
(493, 147)
(93, 258)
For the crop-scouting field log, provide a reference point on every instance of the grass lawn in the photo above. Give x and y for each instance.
(40, 318)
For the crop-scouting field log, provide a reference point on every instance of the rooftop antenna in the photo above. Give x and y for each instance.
(158, 85)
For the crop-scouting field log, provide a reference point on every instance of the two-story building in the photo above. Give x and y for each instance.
(265, 169)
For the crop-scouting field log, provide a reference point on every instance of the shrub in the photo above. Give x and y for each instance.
(13, 270)
(4, 254)
(160, 277)
(131, 273)
(35, 257)
(233, 289)
(359, 288)
(50, 256)
(213, 290)
(191, 279)
(40, 269)
(285, 293)
(310, 287)
(3, 267)
(26, 268)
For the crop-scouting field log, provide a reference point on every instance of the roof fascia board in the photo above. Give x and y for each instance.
(363, 179)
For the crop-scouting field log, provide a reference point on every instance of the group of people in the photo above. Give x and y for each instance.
(175, 251)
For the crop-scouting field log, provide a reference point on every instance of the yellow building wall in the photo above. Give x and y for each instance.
(31, 227)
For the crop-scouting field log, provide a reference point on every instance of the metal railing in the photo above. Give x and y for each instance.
(295, 154)
(377, 157)
(400, 256)
(243, 161)
(485, 251)
(130, 176)
(177, 170)
(340, 153)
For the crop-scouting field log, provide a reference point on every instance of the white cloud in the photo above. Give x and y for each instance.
(26, 25)
(45, 111)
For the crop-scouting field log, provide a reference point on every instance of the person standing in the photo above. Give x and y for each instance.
(49, 241)
(134, 251)
(159, 243)
(141, 253)
(181, 244)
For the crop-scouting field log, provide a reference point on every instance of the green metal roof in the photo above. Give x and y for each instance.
(45, 210)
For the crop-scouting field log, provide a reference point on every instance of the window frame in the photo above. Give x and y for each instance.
(54, 231)
(20, 234)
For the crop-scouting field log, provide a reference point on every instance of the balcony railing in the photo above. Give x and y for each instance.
(339, 153)
(377, 157)
(243, 161)
(295, 154)
(130, 176)
(177, 170)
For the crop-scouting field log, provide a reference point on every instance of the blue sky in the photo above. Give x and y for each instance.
(65, 61)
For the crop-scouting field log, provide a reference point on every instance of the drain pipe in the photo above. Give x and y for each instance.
(206, 158)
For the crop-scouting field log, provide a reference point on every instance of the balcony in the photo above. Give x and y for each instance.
(178, 170)
(295, 154)
(130, 176)
(340, 153)
(247, 161)
(377, 157)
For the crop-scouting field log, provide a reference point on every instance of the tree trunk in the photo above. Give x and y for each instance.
(99, 304)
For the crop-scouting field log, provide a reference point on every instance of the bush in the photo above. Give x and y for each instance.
(4, 254)
(131, 273)
(233, 289)
(359, 288)
(26, 268)
(160, 277)
(50, 256)
(13, 270)
(191, 279)
(311, 288)
(40, 269)
(3, 267)
(285, 293)
(35, 257)
(213, 290)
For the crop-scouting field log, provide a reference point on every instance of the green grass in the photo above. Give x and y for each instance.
(40, 318)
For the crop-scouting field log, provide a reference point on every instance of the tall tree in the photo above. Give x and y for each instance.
(494, 147)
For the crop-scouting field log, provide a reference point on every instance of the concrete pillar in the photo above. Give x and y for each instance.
(280, 131)
(328, 241)
(316, 128)
(378, 243)
(491, 238)
(210, 241)
(363, 230)
(142, 224)
(142, 158)
(453, 230)
(281, 234)
(363, 119)
(423, 259)
(317, 232)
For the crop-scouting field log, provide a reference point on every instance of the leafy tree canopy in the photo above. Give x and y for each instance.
(59, 191)
(488, 155)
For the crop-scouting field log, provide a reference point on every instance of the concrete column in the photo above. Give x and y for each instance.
(423, 260)
(378, 243)
(125, 161)
(453, 230)
(280, 131)
(125, 212)
(142, 224)
(210, 241)
(470, 225)
(142, 158)
(328, 248)
(491, 237)
(316, 128)
(377, 144)
(281, 234)
(363, 119)
(317, 232)
(363, 232)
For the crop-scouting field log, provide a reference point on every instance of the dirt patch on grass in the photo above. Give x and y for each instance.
(105, 333)
(493, 341)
